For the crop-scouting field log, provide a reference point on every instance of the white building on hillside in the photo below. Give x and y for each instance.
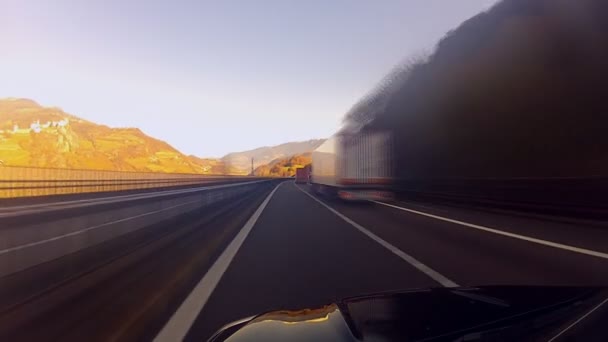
(63, 123)
(35, 127)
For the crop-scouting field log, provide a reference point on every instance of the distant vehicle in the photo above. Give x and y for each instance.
(487, 313)
(354, 166)
(302, 174)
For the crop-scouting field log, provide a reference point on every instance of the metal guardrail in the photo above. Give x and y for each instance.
(33, 181)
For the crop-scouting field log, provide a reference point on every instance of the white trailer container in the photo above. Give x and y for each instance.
(354, 166)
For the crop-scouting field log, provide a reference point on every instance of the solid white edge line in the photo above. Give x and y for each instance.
(59, 237)
(503, 233)
(436, 276)
(578, 320)
(180, 322)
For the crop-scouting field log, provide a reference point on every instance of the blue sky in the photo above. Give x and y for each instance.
(212, 77)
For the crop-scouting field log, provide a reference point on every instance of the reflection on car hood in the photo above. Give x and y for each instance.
(492, 313)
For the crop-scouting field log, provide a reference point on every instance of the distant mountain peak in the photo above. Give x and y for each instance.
(21, 99)
(266, 154)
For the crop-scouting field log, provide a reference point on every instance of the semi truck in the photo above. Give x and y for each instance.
(354, 166)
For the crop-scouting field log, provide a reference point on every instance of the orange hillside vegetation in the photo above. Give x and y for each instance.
(284, 167)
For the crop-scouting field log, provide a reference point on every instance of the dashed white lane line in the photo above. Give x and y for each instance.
(503, 233)
(441, 279)
(179, 324)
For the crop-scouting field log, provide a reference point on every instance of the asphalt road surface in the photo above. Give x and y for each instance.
(281, 247)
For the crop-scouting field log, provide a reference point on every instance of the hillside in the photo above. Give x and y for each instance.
(33, 135)
(284, 167)
(265, 155)
(516, 91)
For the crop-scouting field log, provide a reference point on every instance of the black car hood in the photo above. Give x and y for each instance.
(492, 313)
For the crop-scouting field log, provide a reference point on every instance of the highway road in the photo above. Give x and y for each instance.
(278, 246)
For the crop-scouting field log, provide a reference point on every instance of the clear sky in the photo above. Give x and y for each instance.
(212, 77)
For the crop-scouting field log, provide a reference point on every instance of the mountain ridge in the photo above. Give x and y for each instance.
(41, 136)
(266, 154)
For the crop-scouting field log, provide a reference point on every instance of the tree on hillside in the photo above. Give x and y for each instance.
(285, 167)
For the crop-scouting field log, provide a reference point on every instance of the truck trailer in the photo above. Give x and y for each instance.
(302, 174)
(354, 166)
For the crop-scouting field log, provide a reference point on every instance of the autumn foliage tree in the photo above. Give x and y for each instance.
(284, 167)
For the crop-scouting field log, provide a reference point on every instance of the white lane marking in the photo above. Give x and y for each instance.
(500, 232)
(444, 281)
(32, 244)
(578, 320)
(180, 322)
(37, 208)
